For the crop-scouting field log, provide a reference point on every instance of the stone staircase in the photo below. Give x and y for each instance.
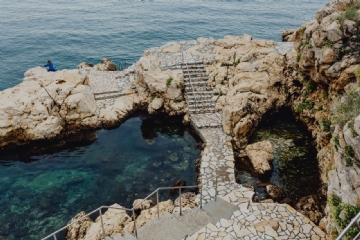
(199, 94)
(232, 216)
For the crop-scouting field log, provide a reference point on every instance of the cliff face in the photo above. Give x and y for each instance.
(324, 84)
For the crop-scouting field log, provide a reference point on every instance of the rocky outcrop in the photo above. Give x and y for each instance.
(260, 155)
(48, 105)
(141, 204)
(188, 200)
(105, 65)
(114, 221)
(322, 76)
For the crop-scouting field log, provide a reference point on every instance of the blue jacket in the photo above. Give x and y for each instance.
(51, 66)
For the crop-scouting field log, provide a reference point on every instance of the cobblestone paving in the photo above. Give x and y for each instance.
(108, 85)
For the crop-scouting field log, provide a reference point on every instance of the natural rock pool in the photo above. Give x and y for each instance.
(42, 188)
(295, 167)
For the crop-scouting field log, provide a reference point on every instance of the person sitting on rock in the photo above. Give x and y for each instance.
(51, 66)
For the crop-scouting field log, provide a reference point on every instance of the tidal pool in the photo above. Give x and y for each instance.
(295, 165)
(43, 187)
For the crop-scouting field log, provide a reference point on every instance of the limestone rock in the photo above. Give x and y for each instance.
(114, 221)
(148, 214)
(187, 200)
(142, 204)
(334, 32)
(260, 155)
(84, 65)
(78, 230)
(105, 65)
(275, 192)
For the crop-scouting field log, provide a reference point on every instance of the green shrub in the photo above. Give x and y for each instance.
(168, 81)
(348, 109)
(302, 30)
(311, 86)
(179, 100)
(298, 57)
(305, 105)
(349, 151)
(349, 212)
(357, 75)
(327, 43)
(325, 124)
(350, 13)
(351, 127)
(336, 141)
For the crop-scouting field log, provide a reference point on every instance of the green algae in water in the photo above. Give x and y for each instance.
(295, 165)
(41, 190)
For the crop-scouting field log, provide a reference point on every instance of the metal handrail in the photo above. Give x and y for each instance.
(353, 221)
(134, 207)
(192, 87)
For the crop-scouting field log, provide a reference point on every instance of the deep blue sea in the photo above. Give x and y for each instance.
(41, 188)
(70, 32)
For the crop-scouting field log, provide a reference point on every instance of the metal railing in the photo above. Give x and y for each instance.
(192, 87)
(53, 235)
(353, 221)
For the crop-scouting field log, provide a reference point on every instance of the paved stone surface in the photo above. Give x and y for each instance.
(109, 85)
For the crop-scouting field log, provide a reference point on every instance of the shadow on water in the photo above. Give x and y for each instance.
(295, 165)
(44, 185)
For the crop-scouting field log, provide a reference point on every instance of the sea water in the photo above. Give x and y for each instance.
(70, 32)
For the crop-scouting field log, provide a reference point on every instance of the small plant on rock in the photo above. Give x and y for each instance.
(298, 57)
(325, 124)
(350, 13)
(327, 43)
(311, 86)
(168, 81)
(336, 141)
(357, 75)
(346, 109)
(305, 105)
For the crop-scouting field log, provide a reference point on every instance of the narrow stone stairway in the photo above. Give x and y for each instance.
(199, 94)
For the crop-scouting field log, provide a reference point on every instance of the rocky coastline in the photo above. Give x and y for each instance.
(315, 72)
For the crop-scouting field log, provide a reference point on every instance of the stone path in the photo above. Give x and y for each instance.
(109, 85)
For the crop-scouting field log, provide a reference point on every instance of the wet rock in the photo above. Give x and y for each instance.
(177, 184)
(310, 207)
(4, 229)
(142, 204)
(286, 200)
(260, 155)
(174, 157)
(275, 192)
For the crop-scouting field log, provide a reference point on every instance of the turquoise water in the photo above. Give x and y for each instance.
(43, 188)
(70, 32)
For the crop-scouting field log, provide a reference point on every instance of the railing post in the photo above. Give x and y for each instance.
(216, 183)
(180, 200)
(55, 237)
(201, 196)
(157, 203)
(102, 223)
(135, 230)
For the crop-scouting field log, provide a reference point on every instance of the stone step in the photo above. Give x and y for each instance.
(196, 111)
(195, 79)
(107, 95)
(200, 94)
(194, 70)
(204, 233)
(200, 101)
(196, 83)
(192, 65)
(205, 88)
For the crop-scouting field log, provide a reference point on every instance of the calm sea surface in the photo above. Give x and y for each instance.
(70, 32)
(41, 189)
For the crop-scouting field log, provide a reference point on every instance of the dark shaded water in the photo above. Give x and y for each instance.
(295, 165)
(41, 192)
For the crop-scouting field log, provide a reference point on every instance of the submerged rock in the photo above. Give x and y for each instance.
(177, 184)
(309, 206)
(260, 156)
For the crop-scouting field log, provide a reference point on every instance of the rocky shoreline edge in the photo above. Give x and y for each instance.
(314, 73)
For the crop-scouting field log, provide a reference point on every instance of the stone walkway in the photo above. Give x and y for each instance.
(109, 85)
